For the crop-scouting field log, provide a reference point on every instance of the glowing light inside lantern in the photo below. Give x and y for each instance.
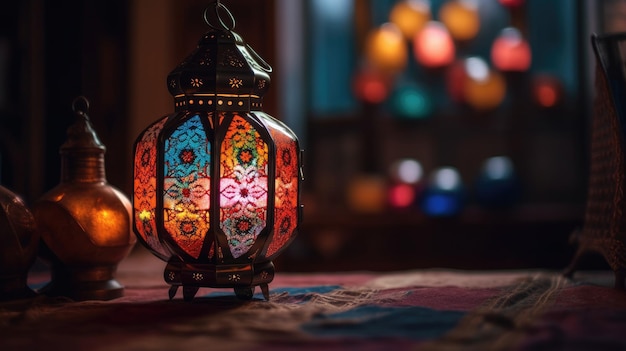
(386, 50)
(461, 18)
(510, 52)
(433, 45)
(410, 16)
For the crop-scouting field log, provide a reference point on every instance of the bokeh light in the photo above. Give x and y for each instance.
(367, 194)
(446, 178)
(371, 86)
(407, 171)
(455, 77)
(401, 195)
(510, 52)
(433, 46)
(444, 195)
(386, 49)
(547, 91)
(410, 16)
(512, 3)
(412, 102)
(485, 88)
(497, 185)
(461, 18)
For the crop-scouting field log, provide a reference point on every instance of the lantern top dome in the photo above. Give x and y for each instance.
(223, 73)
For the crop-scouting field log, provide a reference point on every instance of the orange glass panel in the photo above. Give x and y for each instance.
(144, 200)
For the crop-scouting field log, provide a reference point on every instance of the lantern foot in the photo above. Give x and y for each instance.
(266, 291)
(244, 292)
(189, 292)
(172, 291)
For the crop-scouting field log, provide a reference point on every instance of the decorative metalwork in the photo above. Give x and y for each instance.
(196, 82)
(235, 82)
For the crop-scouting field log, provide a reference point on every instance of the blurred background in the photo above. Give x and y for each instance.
(441, 133)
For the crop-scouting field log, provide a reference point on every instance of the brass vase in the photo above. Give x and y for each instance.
(18, 245)
(85, 223)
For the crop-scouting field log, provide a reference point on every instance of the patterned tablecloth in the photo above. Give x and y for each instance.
(435, 309)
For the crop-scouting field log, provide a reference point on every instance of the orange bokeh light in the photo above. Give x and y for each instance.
(461, 18)
(410, 16)
(386, 49)
(485, 88)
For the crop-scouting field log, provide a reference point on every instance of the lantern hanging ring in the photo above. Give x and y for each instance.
(216, 6)
(80, 105)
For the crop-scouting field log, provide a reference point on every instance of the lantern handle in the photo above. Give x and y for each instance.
(80, 105)
(222, 25)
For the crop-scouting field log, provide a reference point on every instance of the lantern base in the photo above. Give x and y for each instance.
(84, 283)
(243, 278)
(14, 287)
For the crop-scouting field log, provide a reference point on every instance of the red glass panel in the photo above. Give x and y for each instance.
(286, 182)
(144, 201)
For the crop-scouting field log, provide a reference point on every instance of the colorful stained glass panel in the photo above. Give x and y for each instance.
(187, 185)
(243, 185)
(286, 188)
(144, 200)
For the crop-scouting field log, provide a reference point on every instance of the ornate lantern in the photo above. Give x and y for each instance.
(216, 183)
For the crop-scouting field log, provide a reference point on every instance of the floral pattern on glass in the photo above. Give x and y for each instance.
(243, 185)
(187, 185)
(286, 188)
(144, 201)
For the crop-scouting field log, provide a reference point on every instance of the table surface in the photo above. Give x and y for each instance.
(426, 309)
